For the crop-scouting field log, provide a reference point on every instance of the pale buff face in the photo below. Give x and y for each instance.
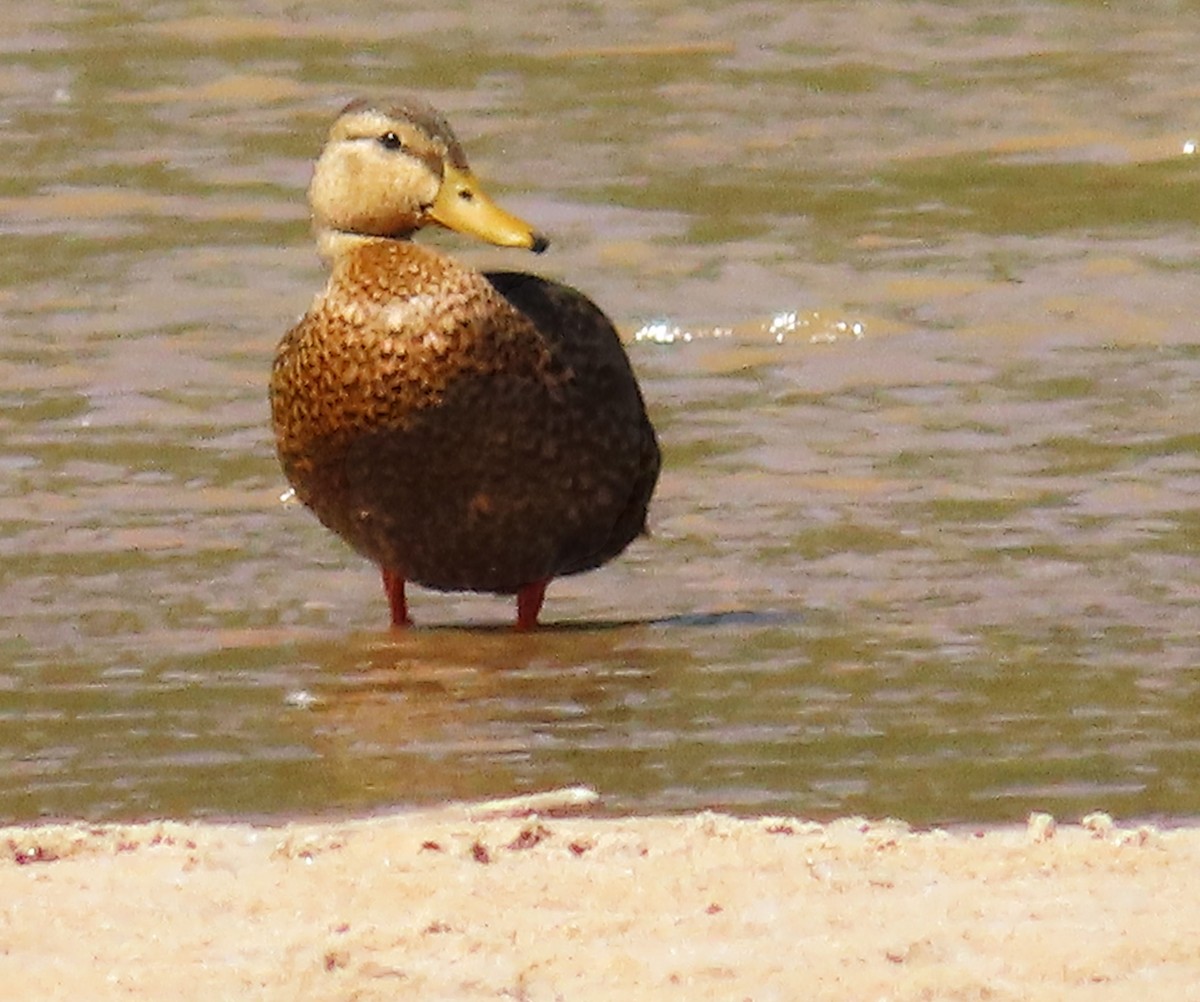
(386, 174)
(378, 175)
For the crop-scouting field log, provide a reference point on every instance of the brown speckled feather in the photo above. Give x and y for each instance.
(469, 432)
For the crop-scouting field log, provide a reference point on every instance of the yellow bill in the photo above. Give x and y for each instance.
(461, 205)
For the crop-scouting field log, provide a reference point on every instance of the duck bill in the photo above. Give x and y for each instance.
(461, 205)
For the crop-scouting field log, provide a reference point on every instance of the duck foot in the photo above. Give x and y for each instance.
(393, 584)
(529, 604)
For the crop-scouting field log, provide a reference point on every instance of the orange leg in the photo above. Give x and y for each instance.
(529, 604)
(393, 584)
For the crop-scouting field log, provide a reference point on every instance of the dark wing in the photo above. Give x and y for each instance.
(584, 341)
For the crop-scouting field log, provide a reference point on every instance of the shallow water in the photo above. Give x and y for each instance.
(911, 292)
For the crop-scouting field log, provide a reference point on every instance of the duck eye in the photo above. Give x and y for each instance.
(390, 141)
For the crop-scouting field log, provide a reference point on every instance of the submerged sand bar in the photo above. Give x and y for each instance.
(494, 902)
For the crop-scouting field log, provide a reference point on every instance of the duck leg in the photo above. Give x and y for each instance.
(529, 604)
(393, 584)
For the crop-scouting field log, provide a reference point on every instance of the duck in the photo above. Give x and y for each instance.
(463, 430)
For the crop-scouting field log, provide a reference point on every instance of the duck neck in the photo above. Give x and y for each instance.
(333, 244)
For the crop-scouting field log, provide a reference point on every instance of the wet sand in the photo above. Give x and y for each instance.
(499, 901)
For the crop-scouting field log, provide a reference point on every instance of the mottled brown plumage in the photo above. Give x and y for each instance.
(464, 431)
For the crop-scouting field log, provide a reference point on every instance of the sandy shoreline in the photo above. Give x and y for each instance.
(479, 902)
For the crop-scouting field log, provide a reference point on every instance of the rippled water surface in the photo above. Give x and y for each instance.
(912, 292)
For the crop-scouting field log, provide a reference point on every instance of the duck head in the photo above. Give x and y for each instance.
(388, 173)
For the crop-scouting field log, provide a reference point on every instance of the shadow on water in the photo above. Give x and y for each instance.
(731, 618)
